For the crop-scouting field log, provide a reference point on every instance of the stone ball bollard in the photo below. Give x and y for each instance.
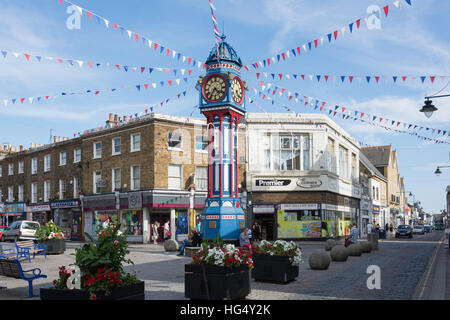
(319, 260)
(171, 245)
(366, 246)
(329, 244)
(339, 253)
(355, 250)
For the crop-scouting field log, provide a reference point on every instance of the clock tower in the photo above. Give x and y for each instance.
(222, 94)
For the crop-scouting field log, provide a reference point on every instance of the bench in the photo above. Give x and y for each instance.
(191, 251)
(7, 253)
(25, 248)
(13, 269)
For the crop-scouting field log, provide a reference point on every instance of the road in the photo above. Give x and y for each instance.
(403, 264)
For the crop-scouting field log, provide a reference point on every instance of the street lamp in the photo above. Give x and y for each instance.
(428, 108)
(438, 172)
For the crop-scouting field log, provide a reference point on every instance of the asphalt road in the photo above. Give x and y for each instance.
(402, 262)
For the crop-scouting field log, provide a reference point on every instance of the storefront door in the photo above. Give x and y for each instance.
(266, 221)
(76, 225)
(161, 217)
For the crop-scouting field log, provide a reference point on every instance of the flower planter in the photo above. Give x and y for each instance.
(223, 282)
(54, 246)
(273, 268)
(126, 292)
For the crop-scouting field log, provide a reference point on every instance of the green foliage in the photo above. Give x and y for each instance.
(44, 232)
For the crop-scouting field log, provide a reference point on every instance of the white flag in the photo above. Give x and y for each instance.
(397, 4)
(149, 43)
(106, 22)
(183, 71)
(31, 100)
(343, 30)
(154, 85)
(5, 101)
(177, 81)
(129, 33)
(80, 63)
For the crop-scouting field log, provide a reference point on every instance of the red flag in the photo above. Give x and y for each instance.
(362, 114)
(377, 78)
(268, 62)
(343, 109)
(115, 26)
(21, 100)
(155, 45)
(189, 61)
(381, 119)
(315, 43)
(386, 9)
(146, 86)
(168, 51)
(90, 64)
(432, 78)
(283, 56)
(89, 14)
(257, 75)
(398, 123)
(168, 71)
(280, 75)
(282, 90)
(46, 97)
(27, 56)
(264, 96)
(118, 67)
(358, 23)
(351, 78)
(334, 113)
(142, 69)
(404, 78)
(189, 71)
(97, 92)
(170, 82)
(290, 98)
(60, 60)
(335, 34)
(60, 1)
(298, 50)
(136, 36)
(326, 78)
(303, 76)
(146, 110)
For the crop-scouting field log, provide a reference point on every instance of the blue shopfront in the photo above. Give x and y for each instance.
(13, 212)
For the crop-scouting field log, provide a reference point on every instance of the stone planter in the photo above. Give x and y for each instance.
(126, 292)
(208, 282)
(54, 246)
(355, 250)
(273, 268)
(366, 246)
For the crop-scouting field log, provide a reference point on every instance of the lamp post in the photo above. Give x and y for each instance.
(414, 200)
(438, 172)
(428, 108)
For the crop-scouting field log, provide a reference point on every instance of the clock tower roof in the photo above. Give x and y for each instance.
(226, 52)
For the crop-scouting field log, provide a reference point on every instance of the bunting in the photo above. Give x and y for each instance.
(330, 36)
(163, 50)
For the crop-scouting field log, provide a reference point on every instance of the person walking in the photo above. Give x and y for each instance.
(155, 227)
(256, 232)
(369, 228)
(167, 232)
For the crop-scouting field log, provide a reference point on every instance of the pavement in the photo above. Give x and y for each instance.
(417, 268)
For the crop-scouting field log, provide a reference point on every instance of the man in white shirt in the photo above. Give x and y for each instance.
(369, 228)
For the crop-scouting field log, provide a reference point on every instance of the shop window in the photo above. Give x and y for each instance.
(174, 176)
(201, 143)
(131, 223)
(102, 216)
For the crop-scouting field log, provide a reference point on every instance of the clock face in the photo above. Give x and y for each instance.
(214, 88)
(237, 90)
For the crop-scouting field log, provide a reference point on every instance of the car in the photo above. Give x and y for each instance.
(21, 230)
(2, 228)
(427, 228)
(418, 228)
(404, 230)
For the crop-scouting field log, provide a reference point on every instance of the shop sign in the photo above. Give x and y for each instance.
(263, 208)
(135, 200)
(38, 208)
(272, 182)
(13, 208)
(300, 206)
(64, 204)
(309, 183)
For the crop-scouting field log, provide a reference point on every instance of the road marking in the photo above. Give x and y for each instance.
(427, 272)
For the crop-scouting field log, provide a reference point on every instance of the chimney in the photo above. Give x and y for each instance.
(17, 149)
(110, 122)
(54, 139)
(21, 148)
(115, 117)
(124, 118)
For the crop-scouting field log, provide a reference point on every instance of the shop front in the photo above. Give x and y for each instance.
(265, 215)
(67, 215)
(41, 213)
(13, 212)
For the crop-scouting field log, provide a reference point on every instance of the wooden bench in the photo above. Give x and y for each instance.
(25, 248)
(7, 253)
(13, 269)
(191, 251)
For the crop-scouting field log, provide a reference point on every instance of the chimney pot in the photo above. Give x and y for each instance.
(110, 117)
(115, 118)
(21, 148)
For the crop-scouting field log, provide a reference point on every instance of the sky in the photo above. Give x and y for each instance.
(412, 41)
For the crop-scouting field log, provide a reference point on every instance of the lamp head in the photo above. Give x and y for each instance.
(437, 172)
(428, 108)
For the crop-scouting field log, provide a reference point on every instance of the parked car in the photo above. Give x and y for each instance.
(2, 228)
(404, 230)
(427, 228)
(418, 228)
(21, 230)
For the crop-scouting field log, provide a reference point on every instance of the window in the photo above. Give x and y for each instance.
(62, 189)
(135, 177)
(47, 162)
(20, 193)
(77, 155)
(175, 140)
(76, 187)
(378, 194)
(354, 168)
(0, 171)
(62, 158)
(11, 169)
(97, 150)
(201, 144)
(116, 179)
(46, 190)
(174, 176)
(331, 156)
(34, 166)
(96, 181)
(34, 192)
(20, 167)
(343, 158)
(116, 146)
(201, 178)
(10, 194)
(135, 142)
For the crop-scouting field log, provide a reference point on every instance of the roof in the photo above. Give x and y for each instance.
(379, 156)
(366, 162)
(226, 52)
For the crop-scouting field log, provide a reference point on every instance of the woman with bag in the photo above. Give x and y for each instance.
(155, 231)
(167, 233)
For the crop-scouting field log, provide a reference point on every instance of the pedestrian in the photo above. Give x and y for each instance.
(353, 237)
(193, 241)
(391, 228)
(106, 223)
(243, 239)
(167, 232)
(155, 231)
(369, 228)
(256, 231)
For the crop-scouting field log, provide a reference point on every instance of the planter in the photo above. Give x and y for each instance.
(222, 282)
(54, 246)
(126, 292)
(273, 268)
